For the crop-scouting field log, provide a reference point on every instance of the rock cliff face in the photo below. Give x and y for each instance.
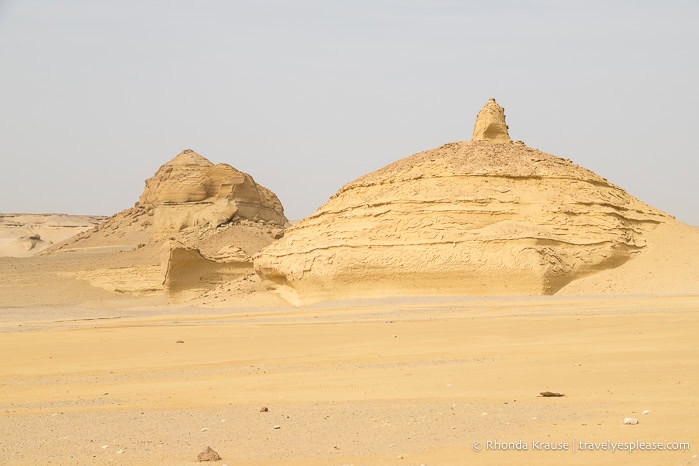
(191, 192)
(485, 217)
(188, 272)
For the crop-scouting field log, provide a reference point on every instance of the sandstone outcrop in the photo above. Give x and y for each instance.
(490, 124)
(484, 217)
(191, 192)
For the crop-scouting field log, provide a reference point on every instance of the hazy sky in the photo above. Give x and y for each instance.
(307, 96)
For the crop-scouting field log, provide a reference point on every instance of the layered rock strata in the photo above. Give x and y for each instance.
(484, 217)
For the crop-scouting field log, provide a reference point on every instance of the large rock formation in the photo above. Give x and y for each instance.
(485, 217)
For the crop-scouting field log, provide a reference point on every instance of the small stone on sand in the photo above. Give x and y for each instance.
(550, 394)
(630, 421)
(646, 411)
(208, 455)
(264, 409)
(179, 341)
(105, 446)
(204, 429)
(277, 427)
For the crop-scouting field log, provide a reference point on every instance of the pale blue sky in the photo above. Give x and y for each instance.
(307, 96)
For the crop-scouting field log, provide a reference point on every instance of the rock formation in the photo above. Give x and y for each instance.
(206, 210)
(484, 217)
(187, 272)
(191, 192)
(490, 124)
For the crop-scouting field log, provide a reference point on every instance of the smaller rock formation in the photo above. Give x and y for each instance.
(490, 124)
(191, 192)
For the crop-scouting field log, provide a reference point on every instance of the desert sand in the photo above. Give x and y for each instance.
(422, 309)
(352, 382)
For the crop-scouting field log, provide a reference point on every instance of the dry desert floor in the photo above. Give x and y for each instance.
(392, 381)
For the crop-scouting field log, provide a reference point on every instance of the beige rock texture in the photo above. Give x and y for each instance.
(484, 217)
(23, 235)
(191, 192)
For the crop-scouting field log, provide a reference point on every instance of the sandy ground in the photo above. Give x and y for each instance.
(361, 382)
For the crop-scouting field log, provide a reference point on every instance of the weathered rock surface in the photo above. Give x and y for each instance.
(468, 218)
(490, 124)
(191, 192)
(187, 272)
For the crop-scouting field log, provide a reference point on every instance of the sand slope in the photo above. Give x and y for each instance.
(668, 265)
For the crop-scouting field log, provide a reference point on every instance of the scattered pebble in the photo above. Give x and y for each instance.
(224, 420)
(646, 411)
(394, 336)
(630, 421)
(399, 457)
(208, 455)
(105, 446)
(550, 394)
(204, 429)
(119, 452)
(264, 409)
(484, 414)
(277, 427)
(179, 341)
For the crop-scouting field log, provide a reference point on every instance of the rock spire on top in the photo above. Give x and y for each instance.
(490, 124)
